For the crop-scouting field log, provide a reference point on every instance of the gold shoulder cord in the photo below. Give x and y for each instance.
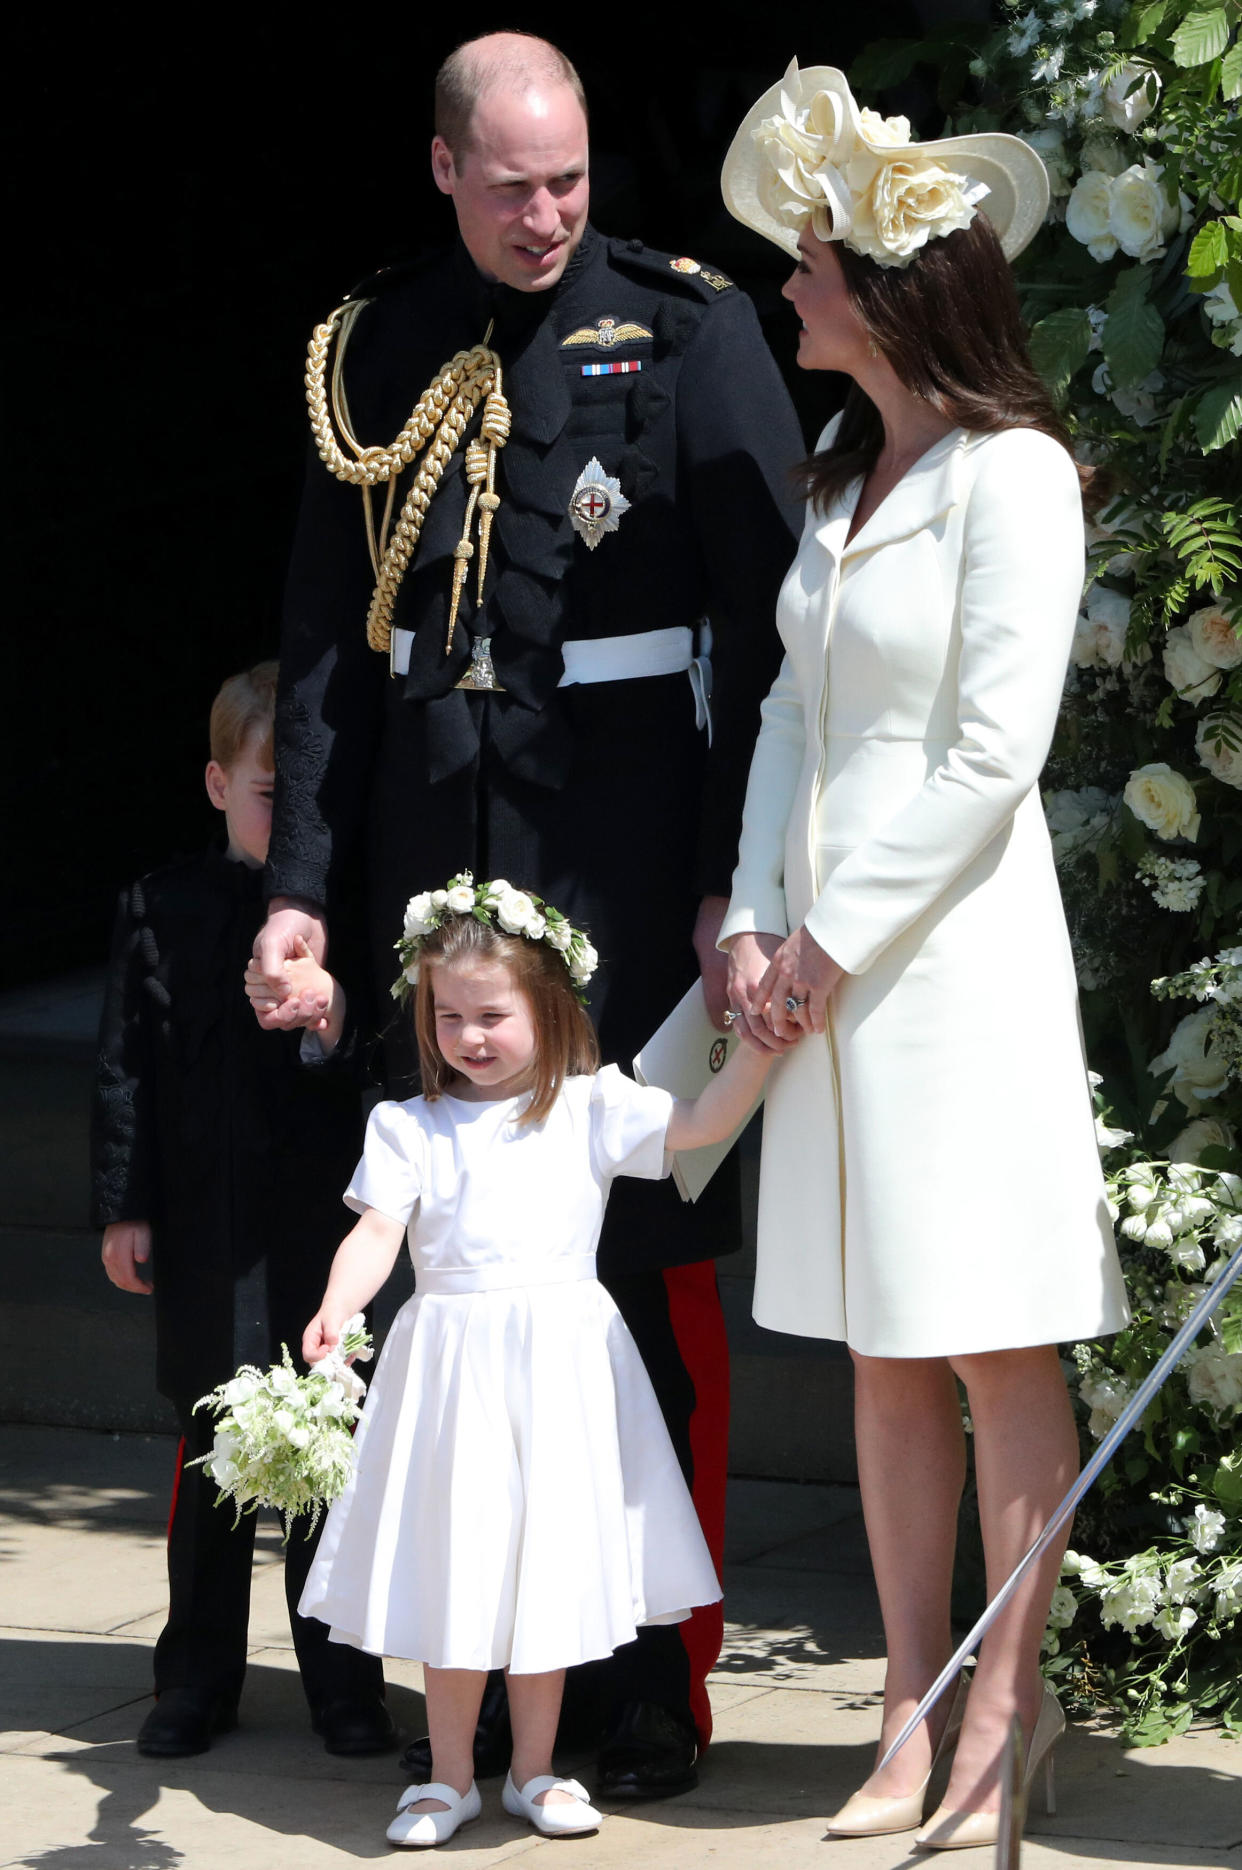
(438, 422)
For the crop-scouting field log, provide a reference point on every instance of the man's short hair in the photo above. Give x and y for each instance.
(245, 707)
(474, 69)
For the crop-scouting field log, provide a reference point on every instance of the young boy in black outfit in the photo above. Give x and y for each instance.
(219, 1156)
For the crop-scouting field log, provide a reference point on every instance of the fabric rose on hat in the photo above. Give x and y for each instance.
(805, 152)
(1163, 801)
(904, 203)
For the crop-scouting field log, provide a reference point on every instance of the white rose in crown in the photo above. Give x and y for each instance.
(439, 898)
(1163, 801)
(1087, 214)
(584, 964)
(460, 900)
(537, 927)
(1127, 102)
(418, 913)
(559, 936)
(515, 911)
(1185, 670)
(1222, 761)
(1140, 214)
(1214, 637)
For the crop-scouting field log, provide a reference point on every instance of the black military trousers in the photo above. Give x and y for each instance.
(203, 1644)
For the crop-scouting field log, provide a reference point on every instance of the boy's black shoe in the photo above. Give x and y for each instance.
(184, 1721)
(647, 1753)
(350, 1726)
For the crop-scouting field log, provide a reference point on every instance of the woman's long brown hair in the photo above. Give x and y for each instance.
(950, 325)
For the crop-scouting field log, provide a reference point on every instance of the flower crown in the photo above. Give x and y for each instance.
(497, 905)
(856, 177)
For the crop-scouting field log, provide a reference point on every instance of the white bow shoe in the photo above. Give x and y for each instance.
(422, 1830)
(555, 1821)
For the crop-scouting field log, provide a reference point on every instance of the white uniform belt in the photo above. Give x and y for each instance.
(569, 1270)
(623, 658)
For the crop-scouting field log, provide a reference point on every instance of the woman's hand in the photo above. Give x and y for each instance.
(749, 956)
(799, 970)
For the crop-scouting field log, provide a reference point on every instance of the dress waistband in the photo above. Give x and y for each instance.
(567, 1269)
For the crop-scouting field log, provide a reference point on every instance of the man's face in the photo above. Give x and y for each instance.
(521, 192)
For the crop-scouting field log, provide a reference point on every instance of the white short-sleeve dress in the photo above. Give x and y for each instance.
(516, 1501)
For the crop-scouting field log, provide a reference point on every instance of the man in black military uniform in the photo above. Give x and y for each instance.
(556, 731)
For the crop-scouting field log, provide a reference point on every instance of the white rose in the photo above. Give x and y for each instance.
(1163, 801)
(1125, 103)
(1103, 629)
(1215, 639)
(514, 910)
(1087, 214)
(1222, 761)
(536, 928)
(460, 900)
(417, 916)
(886, 130)
(899, 205)
(584, 964)
(1203, 1133)
(1197, 1067)
(559, 936)
(1102, 154)
(1139, 211)
(498, 887)
(1206, 1528)
(1186, 670)
(239, 1390)
(439, 898)
(224, 1472)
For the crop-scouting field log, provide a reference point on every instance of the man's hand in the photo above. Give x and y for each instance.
(270, 992)
(713, 965)
(126, 1248)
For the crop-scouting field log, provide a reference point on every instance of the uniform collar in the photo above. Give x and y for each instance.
(516, 315)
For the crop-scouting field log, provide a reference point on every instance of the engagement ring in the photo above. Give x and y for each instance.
(792, 1004)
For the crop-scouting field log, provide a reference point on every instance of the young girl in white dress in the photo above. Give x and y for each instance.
(516, 1501)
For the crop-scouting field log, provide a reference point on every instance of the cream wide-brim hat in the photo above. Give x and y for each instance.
(1009, 169)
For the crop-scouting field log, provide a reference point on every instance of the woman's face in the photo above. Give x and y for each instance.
(832, 337)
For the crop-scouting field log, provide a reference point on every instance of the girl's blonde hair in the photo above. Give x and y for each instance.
(565, 1041)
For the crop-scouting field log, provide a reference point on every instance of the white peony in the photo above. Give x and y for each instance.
(1214, 637)
(1222, 761)
(1087, 214)
(1100, 637)
(1185, 670)
(460, 900)
(1127, 103)
(1197, 1067)
(1163, 800)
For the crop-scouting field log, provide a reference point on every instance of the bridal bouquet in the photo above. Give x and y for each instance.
(286, 1441)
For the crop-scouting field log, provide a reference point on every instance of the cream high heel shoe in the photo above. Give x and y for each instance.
(955, 1831)
(866, 1816)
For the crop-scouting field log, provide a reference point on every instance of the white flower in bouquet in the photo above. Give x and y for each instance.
(1131, 1601)
(1214, 1378)
(1198, 1069)
(1127, 102)
(1078, 1565)
(282, 1440)
(1163, 800)
(1214, 637)
(1185, 670)
(1183, 1579)
(1174, 1621)
(1063, 1609)
(1222, 761)
(1206, 1528)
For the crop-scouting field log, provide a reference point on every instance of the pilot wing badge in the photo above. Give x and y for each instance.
(596, 503)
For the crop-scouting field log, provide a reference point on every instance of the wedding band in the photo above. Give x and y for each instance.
(792, 1004)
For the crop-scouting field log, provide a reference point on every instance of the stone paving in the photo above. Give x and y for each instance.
(796, 1698)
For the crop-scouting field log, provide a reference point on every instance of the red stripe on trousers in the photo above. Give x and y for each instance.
(176, 1492)
(699, 1328)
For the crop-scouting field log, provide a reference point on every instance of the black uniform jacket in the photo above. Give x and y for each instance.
(605, 798)
(211, 1130)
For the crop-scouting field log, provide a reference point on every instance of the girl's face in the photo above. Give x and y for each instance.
(485, 1028)
(833, 336)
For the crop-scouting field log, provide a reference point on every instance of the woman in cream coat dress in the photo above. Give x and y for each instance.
(931, 1190)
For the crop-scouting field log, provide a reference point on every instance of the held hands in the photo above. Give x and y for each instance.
(287, 936)
(313, 998)
(766, 972)
(125, 1252)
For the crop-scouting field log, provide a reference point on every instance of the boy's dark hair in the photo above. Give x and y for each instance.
(565, 1041)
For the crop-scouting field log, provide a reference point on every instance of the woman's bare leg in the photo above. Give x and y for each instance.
(1026, 1455)
(911, 1469)
(534, 1710)
(453, 1698)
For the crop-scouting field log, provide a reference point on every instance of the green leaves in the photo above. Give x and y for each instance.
(1218, 415)
(1059, 347)
(1201, 37)
(1231, 72)
(1206, 540)
(1133, 334)
(1209, 251)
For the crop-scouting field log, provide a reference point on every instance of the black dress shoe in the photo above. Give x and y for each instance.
(648, 1752)
(185, 1721)
(493, 1738)
(351, 1726)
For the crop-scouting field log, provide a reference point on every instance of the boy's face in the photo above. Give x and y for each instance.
(243, 792)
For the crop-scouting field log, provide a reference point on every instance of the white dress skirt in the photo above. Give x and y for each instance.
(515, 1501)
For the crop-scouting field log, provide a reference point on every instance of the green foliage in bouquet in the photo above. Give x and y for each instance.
(284, 1440)
(1132, 291)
